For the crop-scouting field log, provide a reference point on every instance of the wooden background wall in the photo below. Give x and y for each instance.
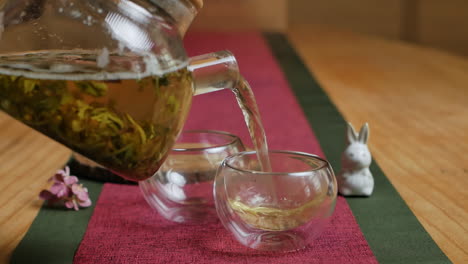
(440, 24)
(243, 14)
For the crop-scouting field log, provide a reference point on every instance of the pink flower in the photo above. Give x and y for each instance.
(67, 191)
(48, 196)
(59, 189)
(62, 182)
(81, 194)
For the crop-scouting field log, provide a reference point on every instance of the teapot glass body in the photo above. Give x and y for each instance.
(109, 79)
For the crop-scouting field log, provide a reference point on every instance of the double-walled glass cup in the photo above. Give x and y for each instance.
(279, 210)
(182, 189)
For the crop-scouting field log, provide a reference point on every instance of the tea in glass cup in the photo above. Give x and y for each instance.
(182, 189)
(279, 210)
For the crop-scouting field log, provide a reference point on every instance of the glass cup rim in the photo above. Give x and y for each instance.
(232, 141)
(324, 164)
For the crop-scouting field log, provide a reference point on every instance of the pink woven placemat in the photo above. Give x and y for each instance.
(124, 229)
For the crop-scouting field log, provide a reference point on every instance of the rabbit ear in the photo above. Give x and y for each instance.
(351, 134)
(364, 133)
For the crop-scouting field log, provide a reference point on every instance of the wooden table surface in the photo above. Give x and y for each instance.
(415, 100)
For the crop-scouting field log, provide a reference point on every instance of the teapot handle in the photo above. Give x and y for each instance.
(214, 71)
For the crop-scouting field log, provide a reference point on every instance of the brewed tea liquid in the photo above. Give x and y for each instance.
(248, 105)
(126, 122)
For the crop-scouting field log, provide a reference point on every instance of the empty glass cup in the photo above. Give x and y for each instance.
(182, 189)
(281, 210)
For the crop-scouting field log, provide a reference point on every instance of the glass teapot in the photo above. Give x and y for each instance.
(109, 79)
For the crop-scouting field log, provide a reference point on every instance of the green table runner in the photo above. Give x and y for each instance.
(392, 231)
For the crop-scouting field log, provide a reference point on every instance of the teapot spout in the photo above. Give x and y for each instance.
(214, 72)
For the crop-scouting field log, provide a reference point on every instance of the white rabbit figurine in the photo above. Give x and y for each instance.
(355, 178)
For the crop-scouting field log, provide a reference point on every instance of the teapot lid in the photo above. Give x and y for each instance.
(198, 3)
(93, 39)
(182, 11)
